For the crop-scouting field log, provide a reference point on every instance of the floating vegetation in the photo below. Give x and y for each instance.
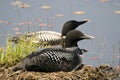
(117, 12)
(79, 12)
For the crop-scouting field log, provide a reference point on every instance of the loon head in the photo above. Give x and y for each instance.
(74, 36)
(71, 25)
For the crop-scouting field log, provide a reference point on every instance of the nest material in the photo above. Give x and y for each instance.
(103, 72)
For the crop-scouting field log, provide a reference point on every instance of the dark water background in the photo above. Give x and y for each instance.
(103, 16)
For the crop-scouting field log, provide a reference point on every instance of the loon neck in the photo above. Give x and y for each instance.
(76, 50)
(70, 44)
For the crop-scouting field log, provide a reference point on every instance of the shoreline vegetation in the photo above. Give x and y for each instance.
(13, 53)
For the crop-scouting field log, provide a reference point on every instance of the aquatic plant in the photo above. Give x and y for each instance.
(12, 53)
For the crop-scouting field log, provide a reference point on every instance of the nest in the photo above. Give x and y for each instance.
(102, 72)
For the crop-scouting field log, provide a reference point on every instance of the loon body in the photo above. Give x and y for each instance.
(56, 59)
(49, 37)
(51, 59)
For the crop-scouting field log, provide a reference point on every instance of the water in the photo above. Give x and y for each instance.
(103, 24)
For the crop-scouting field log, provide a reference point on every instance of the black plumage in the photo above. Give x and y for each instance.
(50, 59)
(71, 25)
(55, 59)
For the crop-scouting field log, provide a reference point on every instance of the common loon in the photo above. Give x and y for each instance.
(49, 37)
(55, 59)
